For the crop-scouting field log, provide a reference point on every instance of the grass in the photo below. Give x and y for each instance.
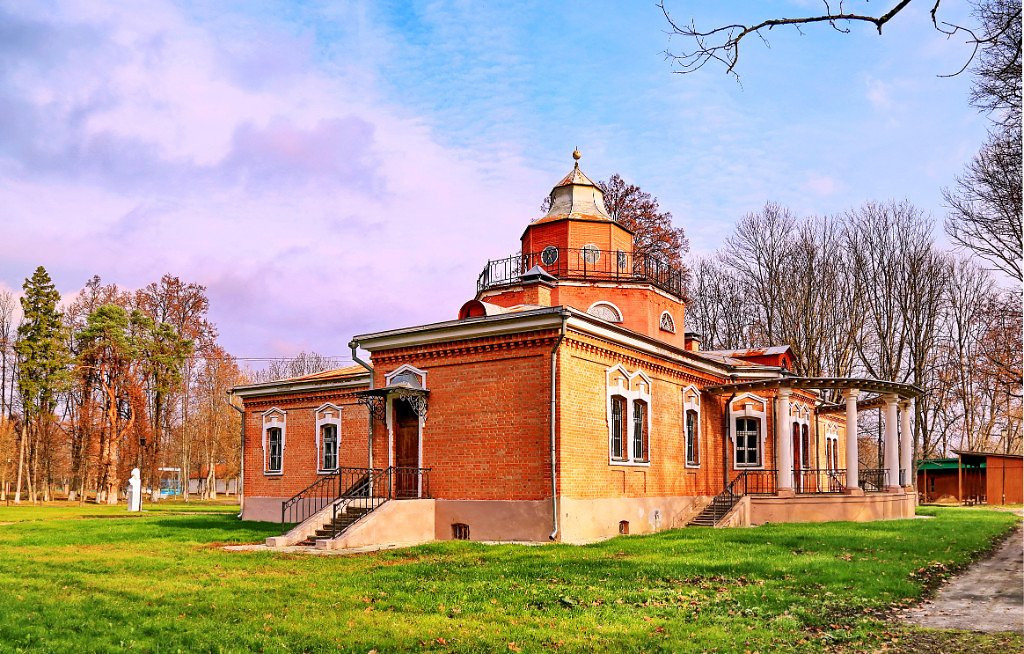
(160, 582)
(70, 510)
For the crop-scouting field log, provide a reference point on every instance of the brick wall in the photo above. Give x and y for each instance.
(300, 455)
(486, 434)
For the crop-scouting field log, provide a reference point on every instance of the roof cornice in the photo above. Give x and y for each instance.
(458, 330)
(286, 386)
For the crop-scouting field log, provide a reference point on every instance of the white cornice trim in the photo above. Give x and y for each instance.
(278, 388)
(459, 330)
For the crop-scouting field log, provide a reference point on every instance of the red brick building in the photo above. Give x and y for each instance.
(565, 401)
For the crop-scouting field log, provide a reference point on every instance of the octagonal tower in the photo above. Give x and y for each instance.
(577, 255)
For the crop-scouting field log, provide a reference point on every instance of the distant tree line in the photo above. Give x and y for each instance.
(112, 380)
(868, 293)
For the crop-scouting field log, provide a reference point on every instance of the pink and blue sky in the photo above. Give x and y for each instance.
(332, 168)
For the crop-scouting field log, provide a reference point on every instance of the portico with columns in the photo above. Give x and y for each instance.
(794, 490)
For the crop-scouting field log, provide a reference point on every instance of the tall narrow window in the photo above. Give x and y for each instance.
(691, 438)
(618, 424)
(805, 447)
(275, 444)
(640, 435)
(748, 442)
(329, 445)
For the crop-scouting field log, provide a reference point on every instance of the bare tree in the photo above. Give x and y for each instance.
(7, 331)
(721, 44)
(756, 252)
(304, 363)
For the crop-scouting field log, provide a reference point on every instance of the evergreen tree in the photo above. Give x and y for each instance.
(43, 362)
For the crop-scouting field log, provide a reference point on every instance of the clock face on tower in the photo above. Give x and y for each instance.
(549, 255)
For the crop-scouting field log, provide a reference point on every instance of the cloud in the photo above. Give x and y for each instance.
(878, 93)
(135, 141)
(821, 185)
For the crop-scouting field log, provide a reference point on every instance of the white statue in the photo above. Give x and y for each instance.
(135, 491)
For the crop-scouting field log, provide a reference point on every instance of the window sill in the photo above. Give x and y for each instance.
(693, 465)
(270, 473)
(627, 463)
(327, 471)
(748, 466)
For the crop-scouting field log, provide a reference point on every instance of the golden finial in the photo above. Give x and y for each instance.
(576, 154)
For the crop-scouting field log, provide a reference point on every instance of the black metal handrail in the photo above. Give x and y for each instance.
(820, 480)
(873, 479)
(399, 483)
(587, 264)
(325, 490)
(756, 482)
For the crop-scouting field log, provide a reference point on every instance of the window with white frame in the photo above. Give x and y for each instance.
(275, 457)
(329, 447)
(832, 448)
(629, 417)
(274, 439)
(747, 415)
(618, 427)
(666, 323)
(328, 437)
(605, 311)
(692, 433)
(748, 441)
(407, 375)
(641, 436)
(691, 426)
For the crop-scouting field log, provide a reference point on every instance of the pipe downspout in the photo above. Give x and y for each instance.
(726, 431)
(353, 346)
(241, 460)
(554, 454)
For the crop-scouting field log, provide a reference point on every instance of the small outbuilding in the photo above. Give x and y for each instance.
(972, 478)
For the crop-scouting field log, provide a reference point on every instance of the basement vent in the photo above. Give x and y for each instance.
(460, 531)
(624, 527)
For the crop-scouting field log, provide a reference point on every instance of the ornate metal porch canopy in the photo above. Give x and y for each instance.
(376, 399)
(877, 386)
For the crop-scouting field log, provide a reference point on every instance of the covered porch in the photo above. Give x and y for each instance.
(793, 490)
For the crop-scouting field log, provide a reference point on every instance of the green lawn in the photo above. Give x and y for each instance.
(159, 582)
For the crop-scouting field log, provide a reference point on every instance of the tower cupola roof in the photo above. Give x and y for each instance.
(576, 196)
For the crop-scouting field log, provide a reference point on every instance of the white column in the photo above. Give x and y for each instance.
(907, 443)
(891, 458)
(784, 442)
(852, 462)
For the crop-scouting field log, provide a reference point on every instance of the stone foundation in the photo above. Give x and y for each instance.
(830, 508)
(263, 509)
(586, 521)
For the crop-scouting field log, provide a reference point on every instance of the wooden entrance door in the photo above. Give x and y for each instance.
(407, 450)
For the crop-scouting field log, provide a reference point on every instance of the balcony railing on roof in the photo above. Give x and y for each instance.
(584, 264)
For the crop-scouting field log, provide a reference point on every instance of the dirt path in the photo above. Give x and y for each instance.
(989, 596)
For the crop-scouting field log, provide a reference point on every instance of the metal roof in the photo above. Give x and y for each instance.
(819, 383)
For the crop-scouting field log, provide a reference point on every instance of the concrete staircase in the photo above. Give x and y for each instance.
(715, 511)
(336, 527)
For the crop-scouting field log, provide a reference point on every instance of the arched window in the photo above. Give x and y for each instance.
(640, 432)
(605, 311)
(667, 323)
(618, 428)
(748, 441)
